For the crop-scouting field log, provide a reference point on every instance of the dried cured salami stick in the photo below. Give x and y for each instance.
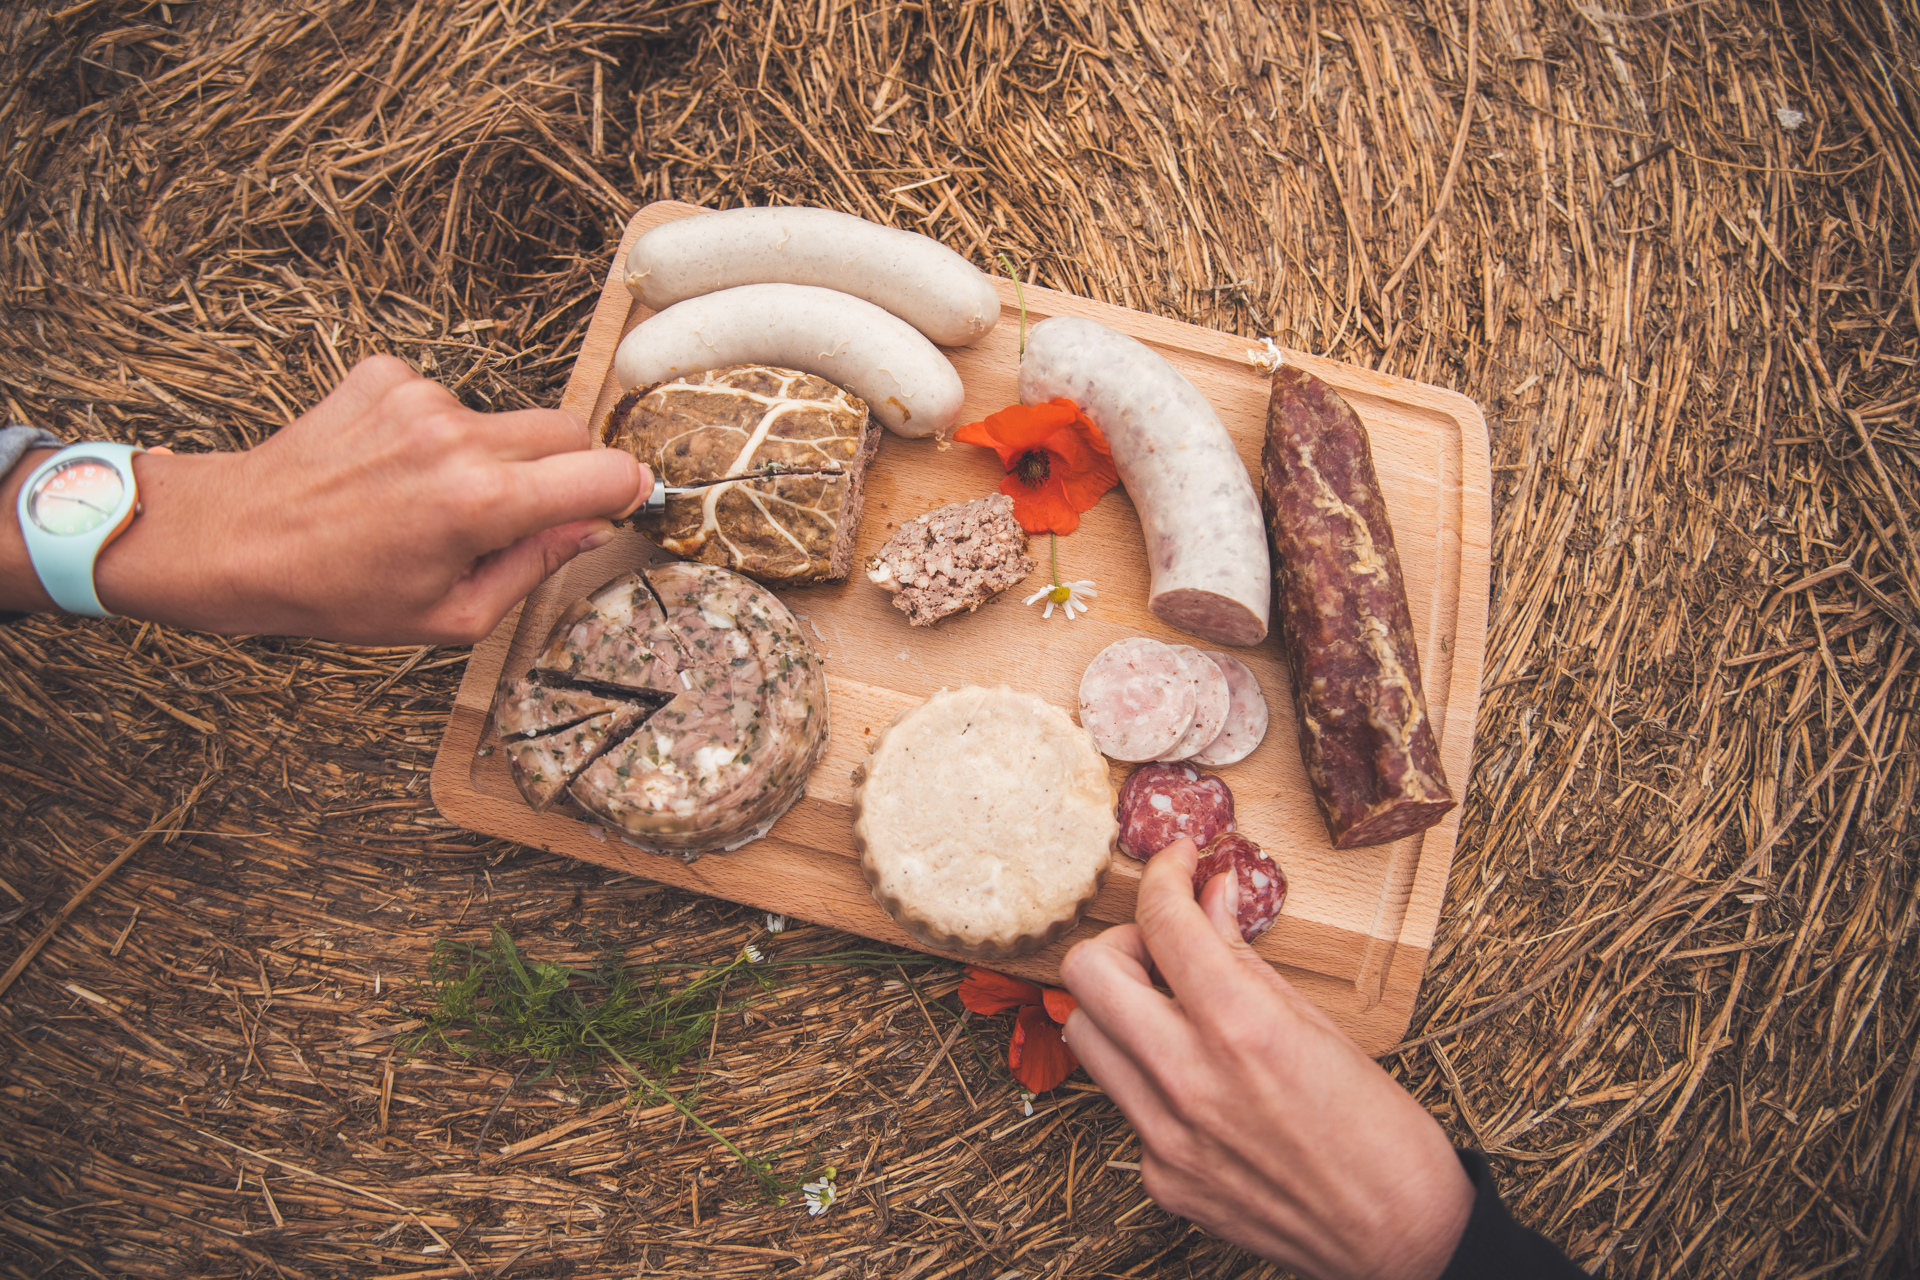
(1369, 748)
(1246, 716)
(1212, 698)
(1136, 699)
(1159, 803)
(1206, 550)
(1263, 885)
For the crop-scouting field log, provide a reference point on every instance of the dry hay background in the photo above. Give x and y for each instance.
(1675, 993)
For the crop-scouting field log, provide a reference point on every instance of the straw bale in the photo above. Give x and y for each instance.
(1671, 250)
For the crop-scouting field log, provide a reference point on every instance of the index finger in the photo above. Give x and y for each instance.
(580, 484)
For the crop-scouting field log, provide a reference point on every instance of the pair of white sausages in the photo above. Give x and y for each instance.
(810, 289)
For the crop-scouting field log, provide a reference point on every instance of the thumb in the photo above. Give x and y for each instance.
(1220, 900)
(501, 579)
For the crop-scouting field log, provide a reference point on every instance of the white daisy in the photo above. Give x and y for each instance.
(819, 1194)
(752, 953)
(1026, 1102)
(776, 924)
(1069, 595)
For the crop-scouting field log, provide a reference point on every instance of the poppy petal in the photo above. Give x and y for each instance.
(1038, 1056)
(1018, 428)
(984, 991)
(1060, 1004)
(1042, 510)
(1084, 487)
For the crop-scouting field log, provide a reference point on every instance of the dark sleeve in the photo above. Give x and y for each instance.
(1494, 1246)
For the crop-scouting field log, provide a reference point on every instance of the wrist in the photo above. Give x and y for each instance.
(168, 566)
(20, 586)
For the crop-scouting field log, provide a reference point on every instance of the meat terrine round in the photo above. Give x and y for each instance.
(694, 710)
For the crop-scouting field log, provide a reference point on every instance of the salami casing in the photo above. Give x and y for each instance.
(1369, 748)
(1263, 886)
(1160, 803)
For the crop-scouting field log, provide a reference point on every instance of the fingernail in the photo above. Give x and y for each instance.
(1231, 898)
(597, 539)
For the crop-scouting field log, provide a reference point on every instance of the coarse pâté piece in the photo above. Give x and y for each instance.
(954, 557)
(777, 459)
(984, 822)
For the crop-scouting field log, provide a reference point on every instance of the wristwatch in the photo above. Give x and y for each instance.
(71, 507)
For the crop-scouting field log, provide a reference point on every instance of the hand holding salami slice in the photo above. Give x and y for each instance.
(1369, 747)
(1160, 803)
(1259, 886)
(1258, 1119)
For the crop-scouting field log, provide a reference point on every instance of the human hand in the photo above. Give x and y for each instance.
(1258, 1118)
(387, 514)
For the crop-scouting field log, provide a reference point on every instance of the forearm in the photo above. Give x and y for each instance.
(164, 568)
(20, 589)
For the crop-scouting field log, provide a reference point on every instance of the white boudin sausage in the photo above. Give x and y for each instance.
(1246, 721)
(904, 379)
(922, 281)
(1206, 544)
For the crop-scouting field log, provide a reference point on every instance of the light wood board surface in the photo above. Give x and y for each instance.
(1358, 923)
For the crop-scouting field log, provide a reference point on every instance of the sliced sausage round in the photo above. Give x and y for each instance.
(1211, 699)
(1160, 803)
(1136, 699)
(1263, 885)
(1246, 722)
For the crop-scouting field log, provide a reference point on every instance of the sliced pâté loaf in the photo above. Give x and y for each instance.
(984, 822)
(787, 450)
(952, 558)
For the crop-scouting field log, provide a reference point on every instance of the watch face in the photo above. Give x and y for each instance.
(76, 497)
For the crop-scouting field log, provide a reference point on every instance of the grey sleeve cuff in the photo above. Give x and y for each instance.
(15, 441)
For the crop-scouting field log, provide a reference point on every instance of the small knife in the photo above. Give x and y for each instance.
(657, 500)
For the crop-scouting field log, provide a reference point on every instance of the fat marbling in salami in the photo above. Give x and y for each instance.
(1263, 886)
(1369, 748)
(1160, 803)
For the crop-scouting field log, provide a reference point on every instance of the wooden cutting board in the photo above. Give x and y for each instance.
(1358, 924)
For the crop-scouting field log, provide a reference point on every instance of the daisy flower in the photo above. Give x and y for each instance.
(1068, 595)
(776, 924)
(752, 953)
(819, 1195)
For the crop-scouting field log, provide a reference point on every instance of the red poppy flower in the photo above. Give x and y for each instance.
(1057, 462)
(1037, 1055)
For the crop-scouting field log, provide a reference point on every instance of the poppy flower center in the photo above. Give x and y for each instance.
(1033, 467)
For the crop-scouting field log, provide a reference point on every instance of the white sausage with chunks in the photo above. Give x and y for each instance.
(1206, 543)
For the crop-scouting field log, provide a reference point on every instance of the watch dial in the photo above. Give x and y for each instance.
(76, 497)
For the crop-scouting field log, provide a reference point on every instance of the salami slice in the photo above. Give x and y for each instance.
(1211, 699)
(1246, 722)
(1263, 885)
(1162, 802)
(1136, 699)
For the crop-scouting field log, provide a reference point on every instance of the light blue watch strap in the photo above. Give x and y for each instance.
(64, 562)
